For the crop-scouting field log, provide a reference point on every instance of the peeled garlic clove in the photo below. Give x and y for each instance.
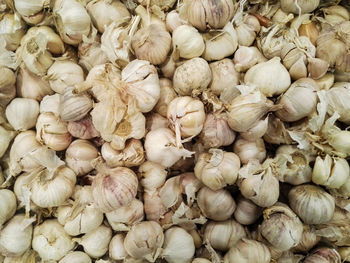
(144, 240)
(323, 255)
(83, 129)
(216, 205)
(250, 150)
(76, 256)
(188, 41)
(95, 242)
(302, 6)
(317, 68)
(247, 57)
(246, 251)
(8, 205)
(246, 212)
(192, 77)
(312, 204)
(22, 113)
(270, 77)
(116, 248)
(7, 86)
(151, 175)
(51, 230)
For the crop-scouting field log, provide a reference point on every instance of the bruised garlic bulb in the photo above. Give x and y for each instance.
(246, 212)
(151, 176)
(224, 76)
(312, 204)
(8, 205)
(188, 41)
(299, 7)
(178, 246)
(83, 129)
(192, 77)
(216, 205)
(270, 77)
(7, 85)
(95, 242)
(336, 99)
(217, 168)
(16, 236)
(323, 255)
(247, 251)
(22, 113)
(144, 240)
(116, 248)
(249, 150)
(247, 30)
(223, 235)
(114, 187)
(76, 256)
(51, 241)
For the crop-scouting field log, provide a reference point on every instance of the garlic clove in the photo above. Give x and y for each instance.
(246, 57)
(173, 20)
(95, 242)
(250, 150)
(317, 68)
(151, 175)
(116, 247)
(22, 113)
(83, 129)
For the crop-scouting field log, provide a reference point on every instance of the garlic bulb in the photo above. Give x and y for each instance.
(250, 150)
(8, 205)
(299, 7)
(52, 131)
(76, 256)
(220, 44)
(103, 13)
(51, 103)
(95, 242)
(270, 77)
(217, 168)
(281, 227)
(187, 41)
(152, 43)
(113, 188)
(336, 14)
(216, 205)
(308, 240)
(192, 77)
(247, 57)
(336, 101)
(6, 138)
(122, 218)
(173, 20)
(161, 147)
(116, 248)
(153, 206)
(7, 86)
(22, 113)
(151, 176)
(186, 116)
(246, 251)
(323, 255)
(312, 204)
(247, 30)
(32, 12)
(155, 121)
(223, 235)
(12, 30)
(83, 129)
(51, 241)
(16, 236)
(72, 20)
(144, 240)
(178, 246)
(204, 13)
(257, 131)
(167, 94)
(246, 212)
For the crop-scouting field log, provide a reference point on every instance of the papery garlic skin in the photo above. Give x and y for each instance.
(95, 242)
(7, 85)
(173, 20)
(257, 131)
(308, 240)
(224, 76)
(116, 248)
(192, 77)
(178, 246)
(22, 113)
(246, 212)
(151, 175)
(91, 54)
(76, 256)
(153, 206)
(250, 150)
(8, 205)
(188, 41)
(246, 251)
(51, 241)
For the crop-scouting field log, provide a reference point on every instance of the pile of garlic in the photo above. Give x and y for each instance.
(191, 131)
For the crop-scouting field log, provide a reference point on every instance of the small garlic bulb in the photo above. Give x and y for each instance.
(247, 30)
(281, 227)
(336, 99)
(192, 77)
(95, 242)
(246, 212)
(216, 205)
(217, 168)
(299, 7)
(323, 255)
(123, 217)
(152, 43)
(247, 251)
(83, 129)
(52, 131)
(250, 150)
(188, 41)
(223, 235)
(51, 241)
(76, 256)
(8, 205)
(178, 246)
(270, 77)
(151, 176)
(312, 204)
(116, 248)
(144, 240)
(247, 57)
(7, 85)
(22, 113)
(167, 94)
(113, 188)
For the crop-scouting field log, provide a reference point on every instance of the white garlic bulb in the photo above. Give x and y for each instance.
(151, 176)
(257, 131)
(8, 205)
(95, 242)
(51, 103)
(173, 20)
(246, 212)
(247, 30)
(167, 94)
(300, 7)
(187, 41)
(22, 113)
(153, 206)
(250, 150)
(12, 30)
(76, 256)
(336, 99)
(247, 57)
(246, 251)
(116, 248)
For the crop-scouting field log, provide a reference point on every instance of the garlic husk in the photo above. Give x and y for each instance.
(32, 12)
(223, 235)
(276, 132)
(52, 131)
(323, 255)
(167, 94)
(113, 188)
(250, 150)
(7, 85)
(246, 251)
(22, 113)
(116, 248)
(72, 21)
(178, 246)
(308, 240)
(302, 6)
(103, 13)
(144, 240)
(95, 242)
(51, 241)
(122, 218)
(220, 44)
(16, 236)
(12, 30)
(217, 168)
(270, 77)
(76, 256)
(336, 99)
(216, 205)
(83, 129)
(8, 205)
(187, 41)
(247, 57)
(246, 212)
(223, 75)
(151, 176)
(247, 30)
(192, 77)
(152, 43)
(312, 204)
(31, 86)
